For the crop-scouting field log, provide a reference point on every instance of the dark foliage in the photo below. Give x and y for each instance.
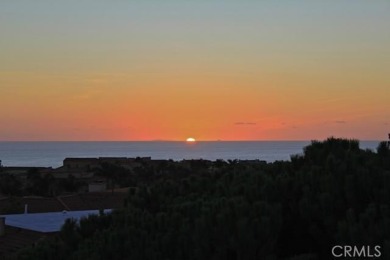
(335, 193)
(9, 184)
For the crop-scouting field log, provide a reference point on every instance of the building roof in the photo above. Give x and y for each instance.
(83, 201)
(34, 204)
(94, 200)
(46, 222)
(23, 230)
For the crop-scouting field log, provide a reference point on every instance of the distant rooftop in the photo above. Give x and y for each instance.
(72, 202)
(46, 222)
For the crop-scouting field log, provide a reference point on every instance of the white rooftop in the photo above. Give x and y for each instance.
(46, 222)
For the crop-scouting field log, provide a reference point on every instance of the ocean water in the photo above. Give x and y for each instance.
(52, 154)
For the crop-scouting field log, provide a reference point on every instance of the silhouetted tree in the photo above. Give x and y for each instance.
(10, 184)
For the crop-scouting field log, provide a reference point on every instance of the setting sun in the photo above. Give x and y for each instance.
(190, 140)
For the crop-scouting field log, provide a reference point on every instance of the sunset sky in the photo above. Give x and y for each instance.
(212, 70)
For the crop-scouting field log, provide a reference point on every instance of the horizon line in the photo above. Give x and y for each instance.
(184, 141)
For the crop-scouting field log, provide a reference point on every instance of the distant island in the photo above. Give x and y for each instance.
(333, 194)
